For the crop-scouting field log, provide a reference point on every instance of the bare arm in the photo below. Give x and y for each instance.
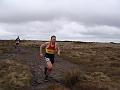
(42, 46)
(58, 49)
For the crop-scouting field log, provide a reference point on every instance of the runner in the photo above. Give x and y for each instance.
(17, 41)
(51, 48)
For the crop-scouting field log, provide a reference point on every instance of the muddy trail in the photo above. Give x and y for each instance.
(31, 58)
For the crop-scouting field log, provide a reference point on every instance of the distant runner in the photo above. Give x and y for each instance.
(51, 48)
(17, 41)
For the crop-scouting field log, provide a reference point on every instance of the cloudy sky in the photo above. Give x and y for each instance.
(83, 20)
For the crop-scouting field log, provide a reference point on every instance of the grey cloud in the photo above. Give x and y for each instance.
(63, 29)
(103, 12)
(95, 20)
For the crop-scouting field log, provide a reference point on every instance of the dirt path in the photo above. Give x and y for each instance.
(31, 58)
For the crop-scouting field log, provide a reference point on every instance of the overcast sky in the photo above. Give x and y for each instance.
(83, 20)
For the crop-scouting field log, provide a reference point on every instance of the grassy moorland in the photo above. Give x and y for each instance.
(97, 66)
(97, 59)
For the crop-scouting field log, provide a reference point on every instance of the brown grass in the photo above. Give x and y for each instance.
(101, 60)
(56, 86)
(14, 75)
(77, 80)
(71, 77)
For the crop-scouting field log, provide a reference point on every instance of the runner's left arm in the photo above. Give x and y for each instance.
(58, 49)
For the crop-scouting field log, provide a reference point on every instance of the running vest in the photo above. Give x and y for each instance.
(50, 48)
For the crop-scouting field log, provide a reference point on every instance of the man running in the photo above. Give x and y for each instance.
(51, 48)
(17, 41)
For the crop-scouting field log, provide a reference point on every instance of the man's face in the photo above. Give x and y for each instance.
(53, 39)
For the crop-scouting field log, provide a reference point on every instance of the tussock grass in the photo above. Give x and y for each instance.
(77, 80)
(14, 75)
(56, 86)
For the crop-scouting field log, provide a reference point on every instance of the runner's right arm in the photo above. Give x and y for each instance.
(41, 47)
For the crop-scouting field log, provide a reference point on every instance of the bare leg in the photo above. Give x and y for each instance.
(48, 69)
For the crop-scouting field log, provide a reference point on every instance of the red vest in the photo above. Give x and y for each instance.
(51, 48)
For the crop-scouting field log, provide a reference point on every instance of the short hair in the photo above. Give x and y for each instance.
(53, 36)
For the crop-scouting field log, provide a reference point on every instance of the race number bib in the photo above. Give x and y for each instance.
(47, 59)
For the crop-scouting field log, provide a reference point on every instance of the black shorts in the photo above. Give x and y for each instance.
(49, 57)
(17, 43)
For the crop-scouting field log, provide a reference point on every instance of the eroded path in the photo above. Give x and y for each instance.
(31, 58)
